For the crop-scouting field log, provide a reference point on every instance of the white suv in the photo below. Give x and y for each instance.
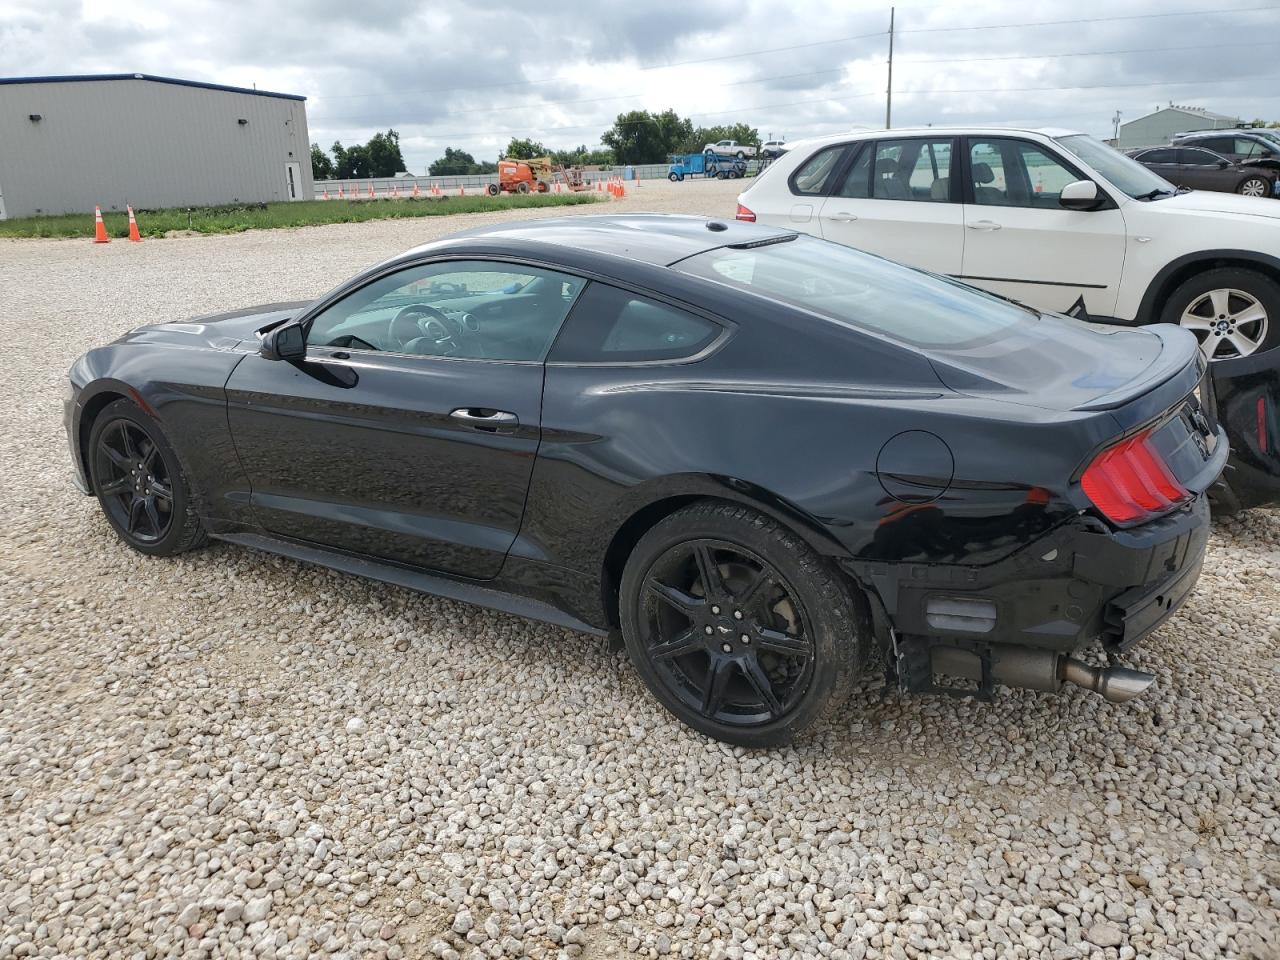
(1052, 218)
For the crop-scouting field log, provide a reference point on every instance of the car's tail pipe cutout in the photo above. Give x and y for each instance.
(1041, 670)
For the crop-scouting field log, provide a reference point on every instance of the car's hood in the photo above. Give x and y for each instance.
(1207, 201)
(222, 330)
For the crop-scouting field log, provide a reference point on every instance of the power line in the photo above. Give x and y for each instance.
(1097, 53)
(1058, 23)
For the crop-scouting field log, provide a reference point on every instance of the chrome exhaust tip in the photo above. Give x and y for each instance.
(1114, 684)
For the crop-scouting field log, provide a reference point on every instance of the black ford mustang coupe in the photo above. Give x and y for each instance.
(756, 458)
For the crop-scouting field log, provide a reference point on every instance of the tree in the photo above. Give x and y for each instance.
(582, 156)
(642, 137)
(385, 159)
(321, 165)
(458, 163)
(519, 149)
(380, 157)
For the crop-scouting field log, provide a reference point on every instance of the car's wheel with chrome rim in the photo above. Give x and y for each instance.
(738, 626)
(1233, 312)
(139, 482)
(1255, 187)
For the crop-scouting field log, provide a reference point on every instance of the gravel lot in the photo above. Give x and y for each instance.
(236, 755)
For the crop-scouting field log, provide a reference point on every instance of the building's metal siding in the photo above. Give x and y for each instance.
(149, 144)
(1157, 128)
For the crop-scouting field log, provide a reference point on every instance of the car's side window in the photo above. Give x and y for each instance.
(812, 177)
(1219, 144)
(1016, 173)
(1251, 148)
(1197, 158)
(912, 170)
(610, 325)
(1158, 156)
(467, 309)
(857, 182)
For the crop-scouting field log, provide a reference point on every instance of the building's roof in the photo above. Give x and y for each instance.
(1190, 111)
(85, 78)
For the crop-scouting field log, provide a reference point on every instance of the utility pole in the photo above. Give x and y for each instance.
(888, 91)
(1115, 122)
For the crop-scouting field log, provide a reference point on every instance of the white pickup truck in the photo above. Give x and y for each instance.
(732, 148)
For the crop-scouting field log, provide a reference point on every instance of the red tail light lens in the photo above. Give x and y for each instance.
(1262, 424)
(1130, 481)
(744, 214)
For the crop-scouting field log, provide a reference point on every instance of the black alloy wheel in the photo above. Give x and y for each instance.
(737, 626)
(133, 482)
(139, 483)
(725, 633)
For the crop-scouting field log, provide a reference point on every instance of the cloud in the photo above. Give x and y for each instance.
(473, 75)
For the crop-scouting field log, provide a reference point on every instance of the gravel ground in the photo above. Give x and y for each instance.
(236, 755)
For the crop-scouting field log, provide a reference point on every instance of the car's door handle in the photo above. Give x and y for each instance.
(486, 419)
(843, 217)
(983, 225)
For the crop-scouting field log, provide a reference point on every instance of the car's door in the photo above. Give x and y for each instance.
(1162, 161)
(1021, 243)
(410, 429)
(895, 198)
(1204, 170)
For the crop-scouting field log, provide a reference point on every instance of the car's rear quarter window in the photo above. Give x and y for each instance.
(611, 325)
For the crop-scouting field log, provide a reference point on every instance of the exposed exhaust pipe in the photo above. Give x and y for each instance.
(1116, 684)
(1042, 670)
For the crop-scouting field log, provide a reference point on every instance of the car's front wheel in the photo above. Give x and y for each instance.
(140, 484)
(1255, 187)
(738, 626)
(1233, 311)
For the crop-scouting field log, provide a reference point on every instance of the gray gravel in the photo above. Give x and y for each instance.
(234, 755)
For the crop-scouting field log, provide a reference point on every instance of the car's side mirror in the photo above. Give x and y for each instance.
(1080, 195)
(1223, 164)
(285, 342)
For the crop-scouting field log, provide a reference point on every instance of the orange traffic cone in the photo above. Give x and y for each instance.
(99, 228)
(371, 193)
(461, 192)
(134, 235)
(622, 191)
(340, 196)
(599, 186)
(416, 192)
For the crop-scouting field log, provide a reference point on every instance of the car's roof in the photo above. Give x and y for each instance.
(659, 239)
(865, 134)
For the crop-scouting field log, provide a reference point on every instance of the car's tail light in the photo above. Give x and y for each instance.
(744, 214)
(1130, 481)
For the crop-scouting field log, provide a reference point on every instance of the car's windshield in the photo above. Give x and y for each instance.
(1124, 173)
(863, 291)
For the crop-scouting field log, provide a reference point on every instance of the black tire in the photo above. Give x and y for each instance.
(1257, 285)
(522, 186)
(722, 174)
(673, 177)
(492, 189)
(741, 155)
(797, 601)
(125, 439)
(1254, 187)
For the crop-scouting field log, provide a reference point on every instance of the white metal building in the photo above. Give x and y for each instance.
(1158, 127)
(70, 143)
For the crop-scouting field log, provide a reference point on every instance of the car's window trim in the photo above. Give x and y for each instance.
(727, 328)
(312, 312)
(1096, 179)
(837, 170)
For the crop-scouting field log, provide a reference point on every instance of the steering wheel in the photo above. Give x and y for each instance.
(420, 320)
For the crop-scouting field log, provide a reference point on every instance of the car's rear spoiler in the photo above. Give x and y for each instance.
(1179, 363)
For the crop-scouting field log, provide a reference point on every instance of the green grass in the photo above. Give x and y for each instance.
(270, 216)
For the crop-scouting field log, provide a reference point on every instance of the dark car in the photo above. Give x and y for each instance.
(1200, 169)
(1260, 147)
(1246, 401)
(753, 457)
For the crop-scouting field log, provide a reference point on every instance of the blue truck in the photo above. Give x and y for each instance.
(719, 165)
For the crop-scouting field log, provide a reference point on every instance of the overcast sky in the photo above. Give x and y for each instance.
(474, 73)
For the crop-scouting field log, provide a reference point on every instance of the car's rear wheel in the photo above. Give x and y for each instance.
(738, 626)
(1233, 312)
(1255, 187)
(140, 484)
(492, 189)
